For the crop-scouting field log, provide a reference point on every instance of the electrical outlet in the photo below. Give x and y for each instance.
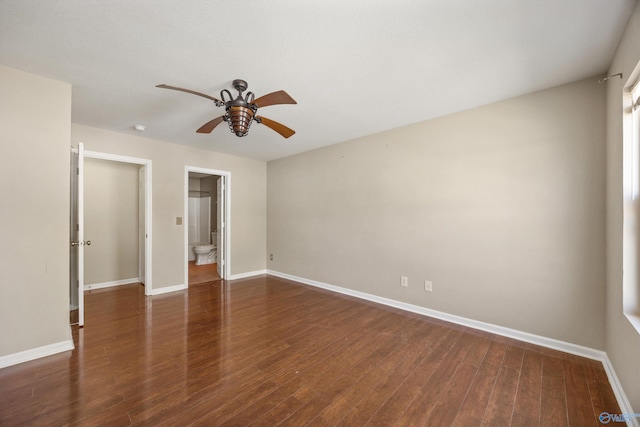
(404, 281)
(428, 286)
(271, 257)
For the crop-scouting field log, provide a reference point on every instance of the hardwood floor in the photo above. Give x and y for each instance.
(202, 273)
(266, 351)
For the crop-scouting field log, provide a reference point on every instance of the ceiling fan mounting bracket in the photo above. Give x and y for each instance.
(240, 85)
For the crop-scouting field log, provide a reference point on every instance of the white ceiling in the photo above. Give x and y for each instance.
(356, 67)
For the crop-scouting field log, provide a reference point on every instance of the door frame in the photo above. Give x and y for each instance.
(226, 254)
(148, 283)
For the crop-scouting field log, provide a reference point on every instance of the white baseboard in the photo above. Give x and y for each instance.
(475, 324)
(102, 285)
(621, 397)
(247, 274)
(181, 287)
(35, 353)
(552, 343)
(168, 289)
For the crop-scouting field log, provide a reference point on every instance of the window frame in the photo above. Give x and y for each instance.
(631, 200)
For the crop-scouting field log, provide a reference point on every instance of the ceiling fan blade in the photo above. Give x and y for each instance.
(273, 98)
(190, 91)
(210, 125)
(278, 127)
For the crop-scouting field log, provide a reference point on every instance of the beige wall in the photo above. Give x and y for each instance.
(502, 207)
(35, 117)
(622, 340)
(248, 199)
(110, 220)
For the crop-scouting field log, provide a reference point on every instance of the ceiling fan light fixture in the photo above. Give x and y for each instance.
(239, 119)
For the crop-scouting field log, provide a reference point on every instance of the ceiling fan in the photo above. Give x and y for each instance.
(241, 111)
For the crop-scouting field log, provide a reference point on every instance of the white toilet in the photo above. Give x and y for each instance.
(206, 253)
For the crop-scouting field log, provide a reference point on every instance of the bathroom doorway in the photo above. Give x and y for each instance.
(205, 225)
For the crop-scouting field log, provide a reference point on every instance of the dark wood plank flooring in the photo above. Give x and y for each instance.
(266, 351)
(199, 274)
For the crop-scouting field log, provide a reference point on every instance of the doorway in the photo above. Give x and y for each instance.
(206, 225)
(78, 244)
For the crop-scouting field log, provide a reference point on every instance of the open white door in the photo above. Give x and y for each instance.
(142, 232)
(73, 237)
(77, 232)
(221, 228)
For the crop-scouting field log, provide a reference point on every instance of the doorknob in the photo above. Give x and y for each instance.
(88, 242)
(75, 243)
